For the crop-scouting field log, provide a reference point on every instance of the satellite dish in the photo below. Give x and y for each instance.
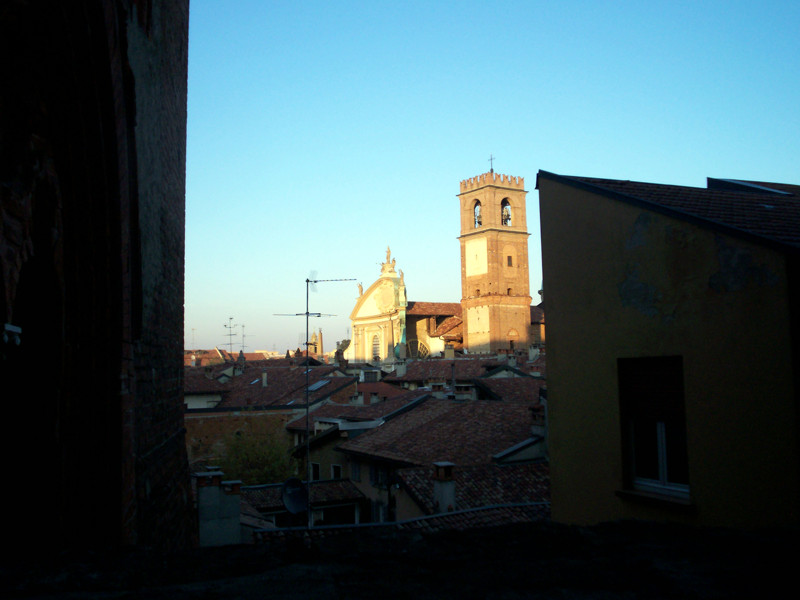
(295, 496)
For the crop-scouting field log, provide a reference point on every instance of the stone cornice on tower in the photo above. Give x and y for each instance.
(491, 178)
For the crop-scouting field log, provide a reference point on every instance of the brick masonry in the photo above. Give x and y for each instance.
(91, 270)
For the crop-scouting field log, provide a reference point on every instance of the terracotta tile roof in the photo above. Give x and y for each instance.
(442, 369)
(381, 388)
(537, 366)
(355, 412)
(203, 358)
(195, 381)
(763, 214)
(482, 485)
(464, 433)
(269, 497)
(490, 516)
(293, 361)
(519, 389)
(452, 326)
(759, 186)
(285, 385)
(460, 520)
(430, 309)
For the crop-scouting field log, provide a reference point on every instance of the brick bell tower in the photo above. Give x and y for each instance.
(495, 285)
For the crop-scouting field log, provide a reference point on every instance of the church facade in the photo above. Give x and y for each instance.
(494, 314)
(387, 327)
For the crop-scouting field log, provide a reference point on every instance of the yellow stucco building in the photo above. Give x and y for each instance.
(673, 323)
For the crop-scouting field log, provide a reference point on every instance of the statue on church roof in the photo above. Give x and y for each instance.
(388, 266)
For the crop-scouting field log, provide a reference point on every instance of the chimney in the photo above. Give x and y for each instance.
(263, 378)
(219, 508)
(444, 487)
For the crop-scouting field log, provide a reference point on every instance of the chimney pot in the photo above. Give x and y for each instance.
(444, 487)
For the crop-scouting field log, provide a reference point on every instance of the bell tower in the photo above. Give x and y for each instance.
(495, 285)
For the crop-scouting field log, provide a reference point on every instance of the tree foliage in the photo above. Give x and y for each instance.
(259, 453)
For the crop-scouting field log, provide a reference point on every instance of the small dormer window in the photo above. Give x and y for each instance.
(477, 214)
(505, 213)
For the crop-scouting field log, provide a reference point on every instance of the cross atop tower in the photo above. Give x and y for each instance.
(491, 164)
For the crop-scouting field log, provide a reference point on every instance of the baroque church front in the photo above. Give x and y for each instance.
(495, 311)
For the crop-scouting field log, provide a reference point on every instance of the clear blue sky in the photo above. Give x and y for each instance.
(321, 132)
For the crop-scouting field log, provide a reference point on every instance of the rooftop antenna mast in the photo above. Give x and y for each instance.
(311, 282)
(230, 327)
(243, 344)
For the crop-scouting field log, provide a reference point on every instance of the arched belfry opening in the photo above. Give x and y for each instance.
(505, 213)
(93, 423)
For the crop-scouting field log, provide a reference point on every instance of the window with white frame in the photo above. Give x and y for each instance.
(654, 424)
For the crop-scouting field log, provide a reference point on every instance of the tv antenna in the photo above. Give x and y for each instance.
(243, 344)
(230, 327)
(311, 282)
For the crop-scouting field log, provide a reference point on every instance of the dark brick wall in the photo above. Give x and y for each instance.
(92, 135)
(157, 51)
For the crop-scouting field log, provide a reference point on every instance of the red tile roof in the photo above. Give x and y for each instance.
(196, 381)
(203, 358)
(760, 213)
(442, 369)
(490, 516)
(464, 433)
(382, 389)
(451, 326)
(430, 309)
(355, 412)
(268, 498)
(481, 485)
(285, 385)
(511, 388)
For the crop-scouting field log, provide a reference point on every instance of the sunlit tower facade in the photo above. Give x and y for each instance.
(495, 284)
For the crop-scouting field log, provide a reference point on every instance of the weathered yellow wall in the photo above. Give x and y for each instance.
(622, 281)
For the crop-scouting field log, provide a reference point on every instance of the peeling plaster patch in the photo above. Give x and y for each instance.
(639, 232)
(737, 270)
(641, 296)
(676, 237)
